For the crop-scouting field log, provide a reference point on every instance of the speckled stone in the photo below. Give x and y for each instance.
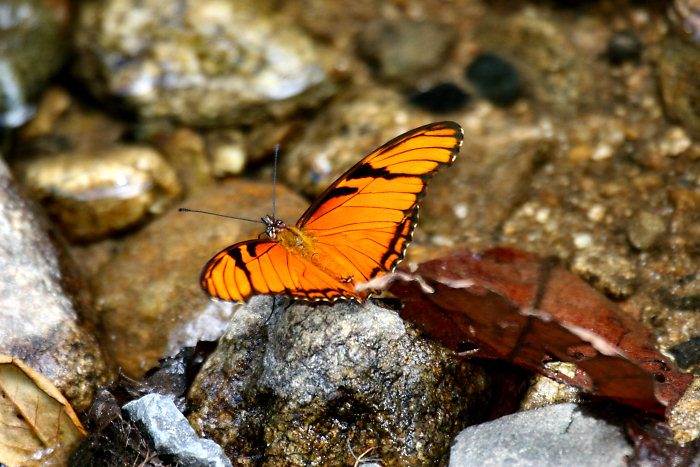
(172, 437)
(302, 384)
(544, 391)
(94, 195)
(199, 62)
(44, 303)
(684, 419)
(348, 130)
(560, 434)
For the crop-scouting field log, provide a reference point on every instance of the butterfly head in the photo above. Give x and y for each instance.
(274, 226)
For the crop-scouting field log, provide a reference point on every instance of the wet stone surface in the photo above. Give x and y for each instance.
(315, 380)
(199, 63)
(684, 420)
(596, 162)
(172, 437)
(43, 303)
(543, 391)
(94, 195)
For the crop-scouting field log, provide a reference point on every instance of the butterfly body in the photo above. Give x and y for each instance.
(300, 244)
(357, 229)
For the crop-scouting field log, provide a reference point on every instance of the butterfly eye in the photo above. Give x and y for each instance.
(274, 226)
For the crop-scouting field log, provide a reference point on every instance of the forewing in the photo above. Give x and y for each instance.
(365, 220)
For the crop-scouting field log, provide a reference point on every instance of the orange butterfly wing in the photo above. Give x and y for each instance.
(265, 266)
(357, 229)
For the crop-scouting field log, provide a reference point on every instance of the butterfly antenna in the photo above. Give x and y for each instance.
(274, 180)
(258, 221)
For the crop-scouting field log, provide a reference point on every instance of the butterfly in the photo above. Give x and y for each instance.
(357, 229)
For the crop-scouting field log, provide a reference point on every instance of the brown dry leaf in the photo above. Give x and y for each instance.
(35, 418)
(527, 310)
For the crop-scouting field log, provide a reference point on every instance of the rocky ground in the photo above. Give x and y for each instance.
(581, 124)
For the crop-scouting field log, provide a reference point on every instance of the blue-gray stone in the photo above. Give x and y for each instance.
(560, 434)
(171, 434)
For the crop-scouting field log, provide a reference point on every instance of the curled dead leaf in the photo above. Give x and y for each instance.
(35, 418)
(528, 310)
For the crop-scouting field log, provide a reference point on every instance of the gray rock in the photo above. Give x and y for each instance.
(161, 422)
(319, 385)
(199, 62)
(556, 435)
(398, 47)
(42, 301)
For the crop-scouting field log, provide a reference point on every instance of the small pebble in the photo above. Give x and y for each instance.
(645, 230)
(583, 240)
(444, 97)
(461, 210)
(159, 419)
(675, 142)
(544, 391)
(560, 434)
(687, 353)
(495, 79)
(228, 159)
(602, 151)
(623, 46)
(542, 215)
(596, 213)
